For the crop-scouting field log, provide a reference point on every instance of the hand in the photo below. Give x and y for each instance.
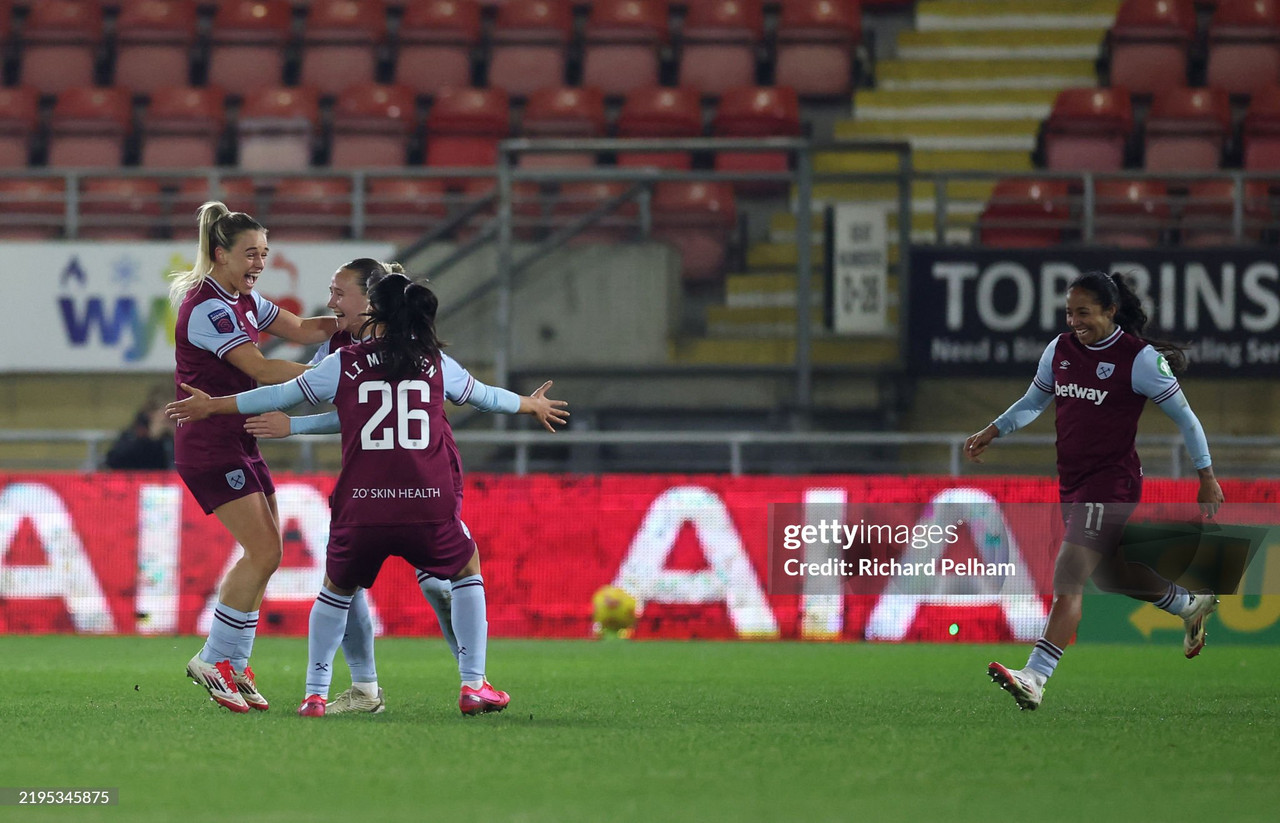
(196, 407)
(549, 412)
(1210, 495)
(976, 444)
(269, 426)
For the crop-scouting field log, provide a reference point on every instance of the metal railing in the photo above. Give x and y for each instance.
(735, 444)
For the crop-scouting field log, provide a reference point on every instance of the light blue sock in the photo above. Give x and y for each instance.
(1044, 658)
(245, 649)
(357, 642)
(1175, 600)
(471, 626)
(324, 635)
(439, 594)
(224, 634)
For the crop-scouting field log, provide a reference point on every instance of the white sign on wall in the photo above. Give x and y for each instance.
(105, 306)
(859, 269)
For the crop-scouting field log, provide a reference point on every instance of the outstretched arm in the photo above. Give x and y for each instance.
(306, 330)
(1179, 411)
(200, 405)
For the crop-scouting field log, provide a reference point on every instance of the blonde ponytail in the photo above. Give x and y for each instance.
(218, 227)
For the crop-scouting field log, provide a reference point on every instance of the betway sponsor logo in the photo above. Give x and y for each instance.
(1072, 390)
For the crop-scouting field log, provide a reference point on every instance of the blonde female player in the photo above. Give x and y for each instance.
(220, 318)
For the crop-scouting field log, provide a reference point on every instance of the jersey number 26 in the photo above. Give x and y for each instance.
(376, 437)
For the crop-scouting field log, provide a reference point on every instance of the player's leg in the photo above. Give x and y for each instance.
(471, 626)
(251, 522)
(439, 593)
(1074, 565)
(1141, 582)
(357, 647)
(327, 624)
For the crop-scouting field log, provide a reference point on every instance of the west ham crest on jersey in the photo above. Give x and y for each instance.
(235, 479)
(1105, 370)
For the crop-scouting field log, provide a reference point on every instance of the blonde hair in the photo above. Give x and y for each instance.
(219, 227)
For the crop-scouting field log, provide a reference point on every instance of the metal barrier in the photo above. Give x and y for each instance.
(1256, 454)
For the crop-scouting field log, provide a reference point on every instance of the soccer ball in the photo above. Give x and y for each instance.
(613, 609)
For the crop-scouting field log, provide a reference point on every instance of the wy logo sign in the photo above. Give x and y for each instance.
(126, 324)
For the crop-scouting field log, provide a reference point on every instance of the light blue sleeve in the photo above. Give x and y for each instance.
(214, 327)
(326, 423)
(1036, 400)
(1152, 376)
(321, 353)
(320, 384)
(264, 310)
(460, 387)
(1179, 411)
(270, 398)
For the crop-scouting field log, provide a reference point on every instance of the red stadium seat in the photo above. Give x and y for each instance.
(1025, 214)
(340, 43)
(817, 42)
(1187, 129)
(1261, 131)
(1244, 45)
(89, 126)
(699, 220)
(465, 125)
(528, 207)
(720, 39)
(60, 44)
(530, 42)
(436, 38)
(400, 210)
(1130, 213)
(578, 199)
(19, 117)
(277, 128)
(756, 112)
(563, 112)
(247, 44)
(32, 208)
(371, 126)
(236, 192)
(1209, 211)
(154, 39)
(311, 209)
(182, 127)
(659, 112)
(1149, 44)
(1087, 129)
(125, 208)
(620, 50)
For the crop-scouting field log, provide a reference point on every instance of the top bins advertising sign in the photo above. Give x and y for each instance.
(991, 312)
(105, 306)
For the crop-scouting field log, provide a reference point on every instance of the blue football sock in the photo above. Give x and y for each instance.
(1175, 600)
(224, 634)
(324, 635)
(470, 626)
(1044, 658)
(439, 594)
(357, 642)
(245, 649)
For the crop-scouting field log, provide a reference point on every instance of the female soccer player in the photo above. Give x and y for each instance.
(349, 301)
(399, 489)
(1101, 373)
(220, 318)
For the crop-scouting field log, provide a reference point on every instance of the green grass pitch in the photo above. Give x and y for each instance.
(652, 731)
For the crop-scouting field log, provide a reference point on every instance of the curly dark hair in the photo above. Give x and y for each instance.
(407, 313)
(1113, 290)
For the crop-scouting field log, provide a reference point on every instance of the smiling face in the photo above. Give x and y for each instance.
(238, 267)
(1086, 317)
(346, 301)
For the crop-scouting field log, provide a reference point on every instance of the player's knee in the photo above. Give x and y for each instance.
(266, 559)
